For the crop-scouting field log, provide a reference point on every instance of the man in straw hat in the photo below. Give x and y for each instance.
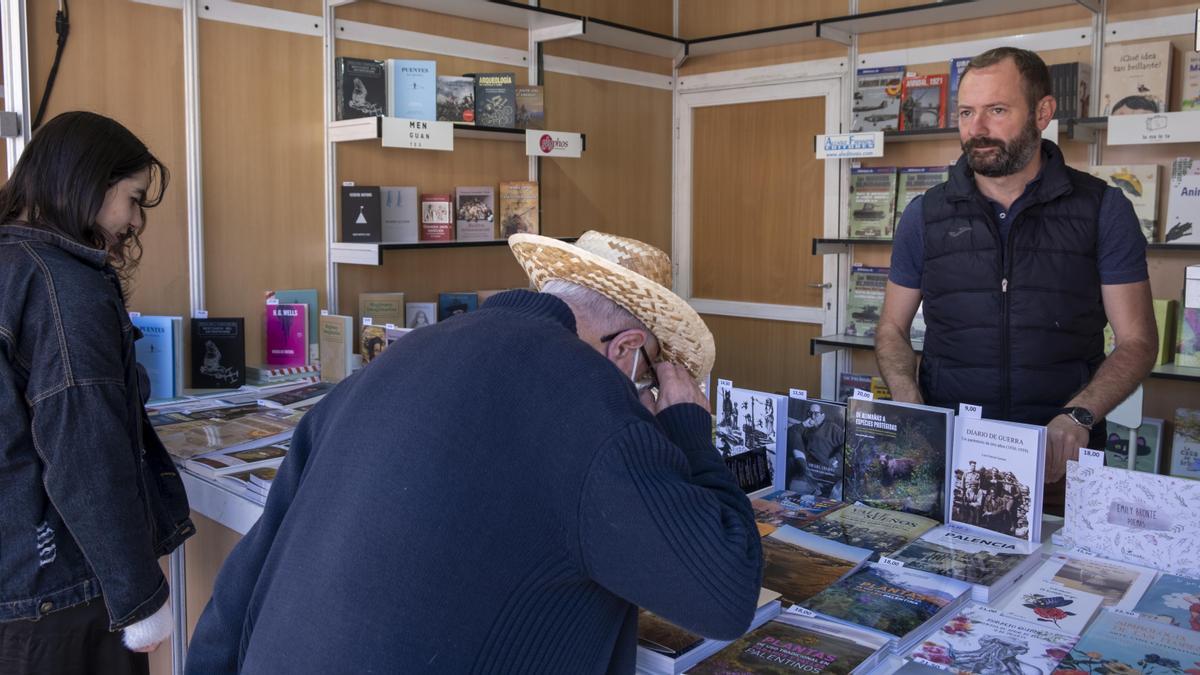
(501, 491)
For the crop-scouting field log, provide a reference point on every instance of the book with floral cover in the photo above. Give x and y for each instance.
(1172, 599)
(980, 639)
(1066, 609)
(1116, 644)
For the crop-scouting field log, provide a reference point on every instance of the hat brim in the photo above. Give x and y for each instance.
(682, 335)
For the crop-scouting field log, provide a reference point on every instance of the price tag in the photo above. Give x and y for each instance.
(801, 394)
(884, 560)
(272, 301)
(324, 312)
(797, 609)
(1124, 612)
(863, 395)
(724, 384)
(1089, 457)
(135, 315)
(970, 410)
(367, 321)
(200, 314)
(390, 326)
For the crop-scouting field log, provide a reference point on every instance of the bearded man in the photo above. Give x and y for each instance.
(1020, 261)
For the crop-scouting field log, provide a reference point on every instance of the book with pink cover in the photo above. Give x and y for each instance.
(286, 332)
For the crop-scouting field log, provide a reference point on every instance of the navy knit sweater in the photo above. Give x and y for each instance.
(487, 496)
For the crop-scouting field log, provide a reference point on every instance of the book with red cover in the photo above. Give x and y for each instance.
(923, 102)
(286, 334)
(437, 217)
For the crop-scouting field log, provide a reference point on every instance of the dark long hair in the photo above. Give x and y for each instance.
(61, 179)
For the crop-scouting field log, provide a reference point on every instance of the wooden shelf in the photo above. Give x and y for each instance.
(754, 39)
(372, 254)
(948, 11)
(1177, 127)
(1160, 246)
(838, 246)
(1170, 371)
(919, 135)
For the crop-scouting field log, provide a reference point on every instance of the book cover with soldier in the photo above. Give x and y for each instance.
(872, 202)
(518, 208)
(475, 213)
(361, 87)
(914, 181)
(816, 433)
(456, 99)
(996, 477)
(923, 102)
(495, 100)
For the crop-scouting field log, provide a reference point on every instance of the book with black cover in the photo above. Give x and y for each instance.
(495, 100)
(361, 87)
(218, 353)
(816, 433)
(362, 219)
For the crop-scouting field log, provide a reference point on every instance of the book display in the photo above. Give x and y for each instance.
(160, 352)
(667, 649)
(914, 181)
(1185, 449)
(1173, 600)
(337, 347)
(1066, 609)
(784, 507)
(1119, 585)
(877, 99)
(923, 102)
(1136, 78)
(411, 87)
(455, 101)
(361, 87)
(881, 530)
(1139, 183)
(990, 564)
(1147, 443)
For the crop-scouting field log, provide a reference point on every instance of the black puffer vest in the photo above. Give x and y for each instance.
(1019, 329)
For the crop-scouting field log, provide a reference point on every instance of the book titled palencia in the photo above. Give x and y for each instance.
(218, 353)
(518, 208)
(411, 89)
(437, 217)
(989, 563)
(475, 213)
(1136, 78)
(495, 100)
(286, 333)
(361, 87)
(923, 103)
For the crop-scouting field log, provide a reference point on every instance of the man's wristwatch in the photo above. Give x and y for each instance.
(1081, 416)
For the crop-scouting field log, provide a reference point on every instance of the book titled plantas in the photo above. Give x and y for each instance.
(1136, 78)
(531, 107)
(1185, 446)
(437, 217)
(784, 507)
(816, 433)
(412, 89)
(1066, 609)
(1173, 600)
(751, 434)
(914, 181)
(979, 639)
(337, 346)
(399, 214)
(456, 99)
(218, 353)
(877, 99)
(923, 102)
(896, 455)
(865, 299)
(1147, 443)
(1139, 184)
(518, 208)
(495, 100)
(286, 334)
(882, 530)
(475, 213)
(361, 87)
(1127, 645)
(989, 563)
(957, 67)
(791, 643)
(798, 565)
(872, 202)
(996, 477)
(362, 222)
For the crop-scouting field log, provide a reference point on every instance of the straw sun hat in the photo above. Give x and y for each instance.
(633, 274)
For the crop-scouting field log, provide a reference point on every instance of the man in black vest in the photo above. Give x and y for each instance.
(1019, 260)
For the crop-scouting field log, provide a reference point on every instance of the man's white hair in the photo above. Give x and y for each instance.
(602, 312)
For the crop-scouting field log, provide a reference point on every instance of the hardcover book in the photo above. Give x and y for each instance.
(798, 565)
(518, 208)
(418, 314)
(990, 564)
(475, 213)
(456, 99)
(399, 213)
(451, 304)
(1139, 183)
(751, 432)
(1135, 517)
(218, 353)
(784, 507)
(865, 299)
(1147, 442)
(816, 434)
(362, 220)
(1119, 585)
(495, 100)
(307, 297)
(531, 107)
(361, 87)
(877, 99)
(957, 66)
(1070, 85)
(872, 202)
(996, 477)
(1185, 446)
(337, 347)
(896, 455)
(381, 308)
(979, 639)
(923, 102)
(1136, 78)
(792, 643)
(437, 217)
(412, 89)
(896, 602)
(1190, 98)
(286, 334)
(1067, 610)
(1172, 600)
(915, 181)
(157, 353)
(1127, 645)
(880, 530)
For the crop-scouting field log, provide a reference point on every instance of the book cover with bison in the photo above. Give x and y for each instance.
(896, 456)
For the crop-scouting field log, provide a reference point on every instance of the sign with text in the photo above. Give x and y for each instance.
(1089, 457)
(417, 134)
(1171, 127)
(801, 394)
(540, 143)
(970, 410)
(840, 146)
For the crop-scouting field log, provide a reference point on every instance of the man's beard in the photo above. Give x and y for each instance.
(1008, 158)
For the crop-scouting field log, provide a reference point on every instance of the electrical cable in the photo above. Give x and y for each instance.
(62, 27)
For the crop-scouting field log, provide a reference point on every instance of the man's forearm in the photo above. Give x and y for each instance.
(897, 363)
(1117, 377)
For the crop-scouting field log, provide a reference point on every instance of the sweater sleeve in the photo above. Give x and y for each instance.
(664, 525)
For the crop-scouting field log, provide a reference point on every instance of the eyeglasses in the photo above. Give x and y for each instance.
(647, 381)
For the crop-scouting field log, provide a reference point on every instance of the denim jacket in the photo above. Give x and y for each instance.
(89, 498)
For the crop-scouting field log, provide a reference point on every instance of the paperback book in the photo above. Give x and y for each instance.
(308, 298)
(362, 222)
(848, 382)
(865, 299)
(990, 564)
(751, 432)
(667, 649)
(1136, 78)
(816, 434)
(1185, 446)
(1139, 183)
(1147, 443)
(880, 530)
(159, 351)
(1135, 517)
(337, 347)
(213, 430)
(412, 88)
(1070, 85)
(1066, 609)
(495, 100)
(361, 87)
(253, 484)
(531, 106)
(1190, 97)
(437, 217)
(996, 479)
(957, 66)
(979, 639)
(1119, 585)
(382, 308)
(451, 304)
(798, 565)
(475, 213)
(518, 208)
(1125, 645)
(897, 602)
(784, 507)
(896, 455)
(286, 334)
(1187, 349)
(419, 314)
(872, 202)
(791, 643)
(218, 353)
(915, 181)
(923, 102)
(399, 214)
(372, 342)
(1172, 600)
(226, 461)
(456, 99)
(877, 99)
(299, 397)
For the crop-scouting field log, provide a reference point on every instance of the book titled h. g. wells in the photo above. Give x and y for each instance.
(495, 100)
(218, 353)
